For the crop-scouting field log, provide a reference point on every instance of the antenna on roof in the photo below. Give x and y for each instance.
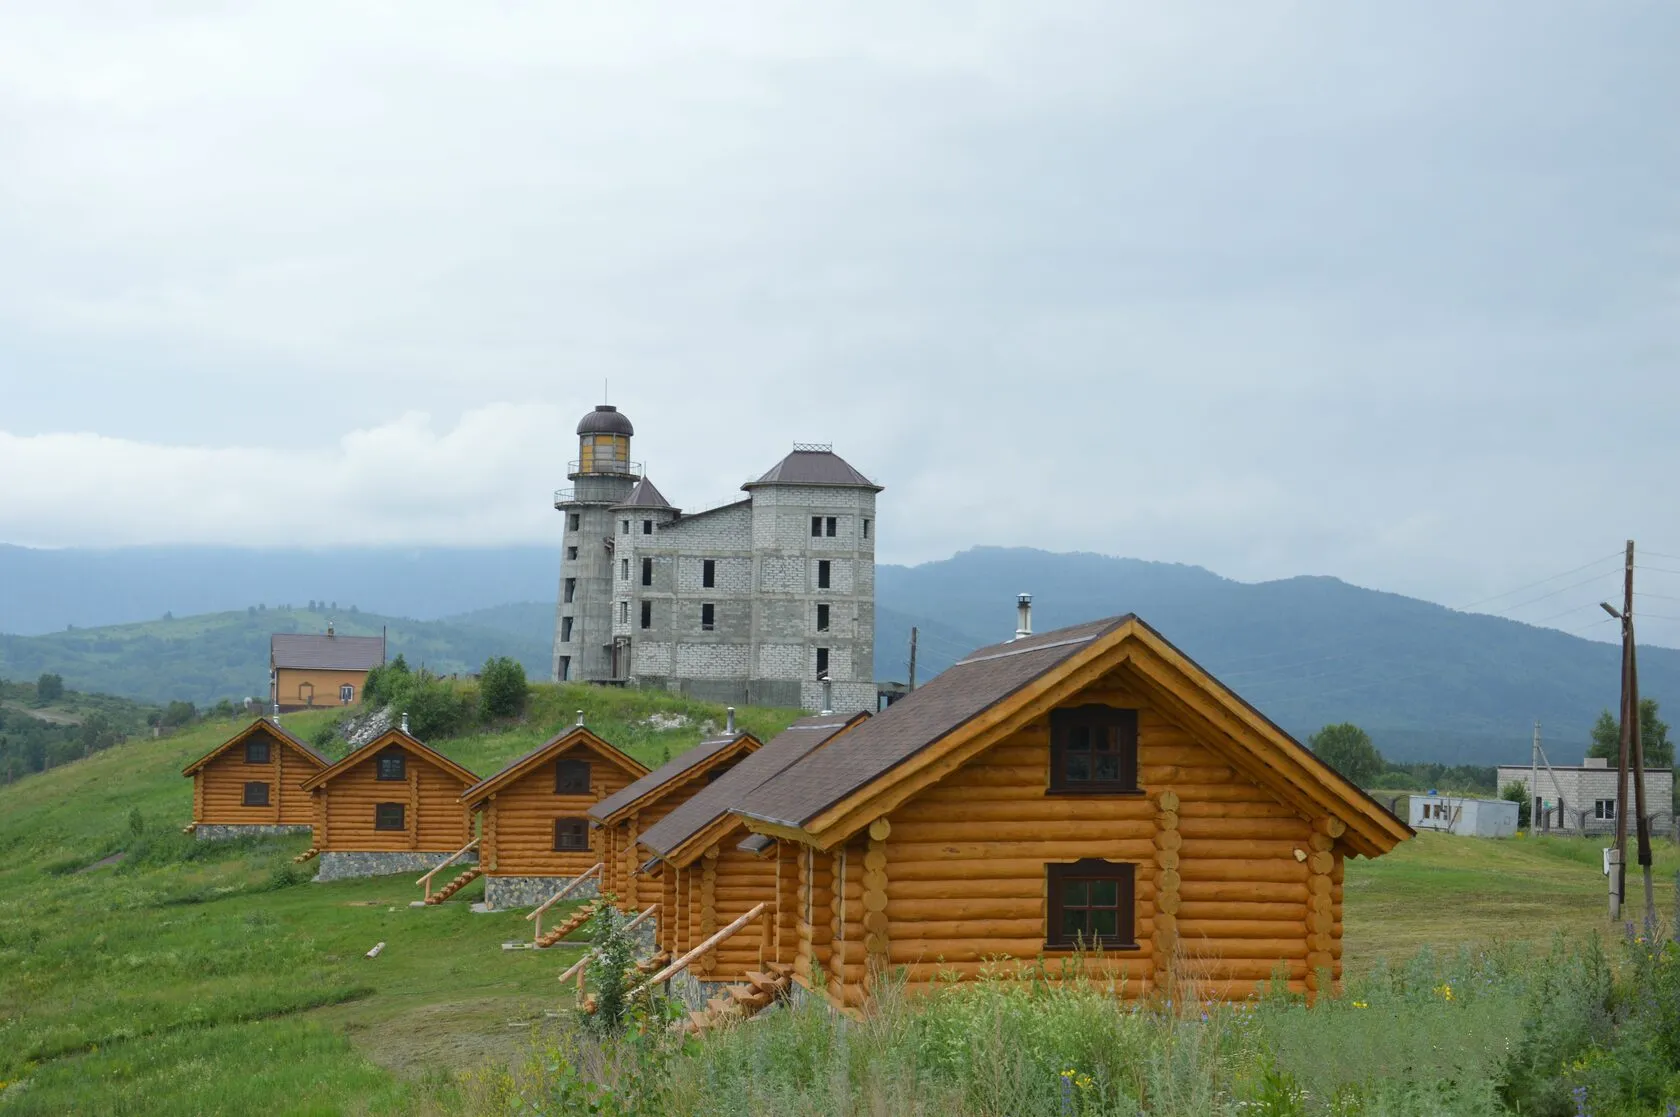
(729, 727)
(405, 721)
(1023, 609)
(580, 717)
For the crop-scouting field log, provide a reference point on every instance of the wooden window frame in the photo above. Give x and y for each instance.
(578, 826)
(1121, 722)
(267, 748)
(347, 693)
(1057, 875)
(381, 813)
(573, 765)
(246, 800)
(379, 766)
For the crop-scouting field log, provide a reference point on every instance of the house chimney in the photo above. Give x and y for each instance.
(729, 725)
(1023, 610)
(405, 721)
(276, 711)
(329, 626)
(580, 717)
(828, 696)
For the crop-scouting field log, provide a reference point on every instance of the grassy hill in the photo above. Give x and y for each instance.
(213, 656)
(147, 973)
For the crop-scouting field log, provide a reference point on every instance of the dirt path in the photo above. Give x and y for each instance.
(56, 717)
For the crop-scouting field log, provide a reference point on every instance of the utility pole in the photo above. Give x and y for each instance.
(1630, 752)
(1534, 782)
(912, 657)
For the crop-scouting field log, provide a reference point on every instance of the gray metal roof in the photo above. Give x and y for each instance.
(605, 419)
(735, 787)
(326, 653)
(644, 495)
(814, 465)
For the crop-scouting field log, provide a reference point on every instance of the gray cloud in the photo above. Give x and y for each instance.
(1272, 288)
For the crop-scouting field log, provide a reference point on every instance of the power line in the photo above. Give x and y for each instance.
(1541, 582)
(1554, 593)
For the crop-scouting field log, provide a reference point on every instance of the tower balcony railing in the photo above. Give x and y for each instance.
(564, 496)
(606, 467)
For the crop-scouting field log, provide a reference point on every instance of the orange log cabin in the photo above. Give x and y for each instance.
(535, 832)
(1090, 786)
(391, 806)
(252, 783)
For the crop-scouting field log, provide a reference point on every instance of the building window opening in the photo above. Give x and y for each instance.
(647, 572)
(571, 834)
(256, 752)
(623, 612)
(347, 694)
(571, 554)
(816, 527)
(647, 614)
(624, 527)
(565, 630)
(1090, 904)
(388, 816)
(571, 591)
(708, 617)
(624, 570)
(565, 668)
(824, 568)
(571, 777)
(647, 527)
(1093, 750)
(574, 521)
(822, 618)
(866, 529)
(822, 662)
(708, 573)
(256, 795)
(392, 765)
(1605, 809)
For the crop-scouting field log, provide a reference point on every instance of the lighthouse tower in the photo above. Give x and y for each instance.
(602, 476)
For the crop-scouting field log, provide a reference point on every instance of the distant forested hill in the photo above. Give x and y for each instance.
(225, 655)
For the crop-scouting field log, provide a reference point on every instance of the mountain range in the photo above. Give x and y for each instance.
(1429, 683)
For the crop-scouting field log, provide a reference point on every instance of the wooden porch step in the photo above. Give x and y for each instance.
(577, 919)
(455, 885)
(307, 855)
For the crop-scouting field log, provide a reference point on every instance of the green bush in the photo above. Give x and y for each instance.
(434, 707)
(502, 689)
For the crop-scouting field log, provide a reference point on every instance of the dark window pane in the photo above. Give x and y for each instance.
(1105, 922)
(1078, 766)
(1107, 766)
(1079, 737)
(1073, 923)
(1105, 893)
(1075, 893)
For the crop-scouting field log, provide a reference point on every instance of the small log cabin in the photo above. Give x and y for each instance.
(705, 881)
(252, 783)
(623, 815)
(1087, 786)
(535, 832)
(309, 670)
(391, 806)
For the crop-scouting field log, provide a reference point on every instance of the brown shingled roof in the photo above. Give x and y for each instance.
(326, 653)
(675, 770)
(554, 746)
(735, 787)
(279, 732)
(926, 714)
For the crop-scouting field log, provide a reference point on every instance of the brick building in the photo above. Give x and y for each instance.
(754, 602)
(1582, 798)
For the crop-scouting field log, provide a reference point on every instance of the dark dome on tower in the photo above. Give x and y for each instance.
(605, 419)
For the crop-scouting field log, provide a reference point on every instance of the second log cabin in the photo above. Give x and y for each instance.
(1090, 796)
(252, 783)
(391, 806)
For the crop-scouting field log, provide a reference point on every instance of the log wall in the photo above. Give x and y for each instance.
(435, 819)
(1224, 870)
(219, 788)
(519, 822)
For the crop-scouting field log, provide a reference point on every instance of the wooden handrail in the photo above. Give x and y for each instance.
(682, 963)
(445, 863)
(561, 895)
(630, 926)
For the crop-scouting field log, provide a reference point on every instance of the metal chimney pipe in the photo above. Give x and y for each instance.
(580, 717)
(1023, 610)
(405, 721)
(729, 726)
(828, 695)
(276, 711)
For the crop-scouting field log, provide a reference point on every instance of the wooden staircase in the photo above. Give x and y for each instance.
(577, 919)
(653, 964)
(307, 855)
(741, 1001)
(455, 885)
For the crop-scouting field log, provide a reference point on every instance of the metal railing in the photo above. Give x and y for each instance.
(607, 466)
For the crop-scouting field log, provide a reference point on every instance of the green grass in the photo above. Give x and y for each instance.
(204, 978)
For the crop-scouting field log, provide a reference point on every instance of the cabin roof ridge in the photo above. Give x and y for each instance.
(522, 765)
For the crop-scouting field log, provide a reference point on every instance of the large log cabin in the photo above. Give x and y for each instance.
(252, 783)
(1087, 787)
(623, 815)
(705, 881)
(535, 836)
(391, 806)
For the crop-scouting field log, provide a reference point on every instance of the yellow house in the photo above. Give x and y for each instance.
(307, 670)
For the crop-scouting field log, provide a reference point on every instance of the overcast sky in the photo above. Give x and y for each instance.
(1389, 292)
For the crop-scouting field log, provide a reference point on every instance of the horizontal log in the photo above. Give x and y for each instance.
(1247, 829)
(1018, 887)
(1200, 808)
(969, 949)
(956, 930)
(1130, 966)
(1177, 775)
(1201, 946)
(1234, 869)
(1039, 808)
(1001, 775)
(1240, 909)
(1219, 929)
(908, 836)
(1257, 849)
(1214, 989)
(1069, 848)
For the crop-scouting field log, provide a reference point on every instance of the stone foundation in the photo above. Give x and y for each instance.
(508, 893)
(694, 993)
(208, 833)
(345, 866)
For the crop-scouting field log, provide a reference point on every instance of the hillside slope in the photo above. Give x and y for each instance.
(206, 658)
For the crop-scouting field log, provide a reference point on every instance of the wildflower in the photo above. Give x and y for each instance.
(1360, 1004)
(1444, 991)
